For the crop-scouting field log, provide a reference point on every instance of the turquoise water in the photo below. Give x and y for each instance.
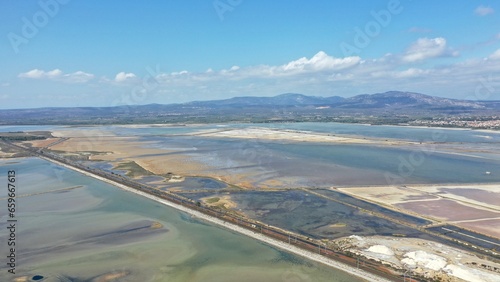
(97, 229)
(14, 128)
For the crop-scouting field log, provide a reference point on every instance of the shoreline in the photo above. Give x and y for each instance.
(234, 228)
(437, 127)
(229, 123)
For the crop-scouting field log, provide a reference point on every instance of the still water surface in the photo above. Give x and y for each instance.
(95, 229)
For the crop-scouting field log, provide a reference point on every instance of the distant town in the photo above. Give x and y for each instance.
(492, 122)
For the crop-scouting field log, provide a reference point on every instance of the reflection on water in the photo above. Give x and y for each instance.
(113, 234)
(197, 183)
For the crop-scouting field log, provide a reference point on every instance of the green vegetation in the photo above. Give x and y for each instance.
(398, 235)
(133, 169)
(25, 136)
(75, 156)
(212, 200)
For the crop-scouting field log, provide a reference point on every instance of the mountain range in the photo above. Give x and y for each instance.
(389, 99)
(244, 108)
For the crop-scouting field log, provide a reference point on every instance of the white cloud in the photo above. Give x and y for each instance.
(78, 77)
(320, 74)
(325, 75)
(426, 48)
(319, 62)
(411, 72)
(34, 73)
(483, 10)
(181, 72)
(231, 71)
(340, 77)
(122, 76)
(495, 55)
(53, 73)
(58, 75)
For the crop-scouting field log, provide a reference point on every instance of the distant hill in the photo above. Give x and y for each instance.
(398, 99)
(287, 99)
(387, 100)
(244, 108)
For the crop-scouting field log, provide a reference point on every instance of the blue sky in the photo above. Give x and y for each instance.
(106, 53)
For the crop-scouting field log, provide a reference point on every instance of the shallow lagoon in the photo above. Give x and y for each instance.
(394, 132)
(117, 235)
(345, 129)
(196, 183)
(465, 159)
(96, 230)
(326, 165)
